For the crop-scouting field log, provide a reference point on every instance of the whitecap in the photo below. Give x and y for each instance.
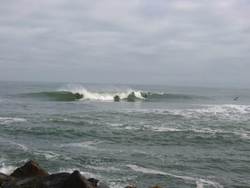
(117, 184)
(21, 146)
(222, 111)
(115, 124)
(6, 169)
(9, 120)
(166, 129)
(101, 96)
(91, 145)
(199, 182)
(49, 155)
(103, 168)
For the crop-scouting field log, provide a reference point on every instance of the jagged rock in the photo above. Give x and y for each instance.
(55, 180)
(131, 97)
(117, 98)
(29, 169)
(60, 180)
(93, 181)
(130, 186)
(76, 180)
(31, 182)
(4, 178)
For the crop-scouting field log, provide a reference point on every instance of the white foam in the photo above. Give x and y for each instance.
(224, 111)
(21, 146)
(87, 144)
(6, 169)
(117, 185)
(166, 129)
(102, 168)
(199, 182)
(115, 124)
(49, 155)
(8, 120)
(101, 96)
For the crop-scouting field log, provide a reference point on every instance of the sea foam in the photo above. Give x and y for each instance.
(9, 120)
(199, 181)
(101, 95)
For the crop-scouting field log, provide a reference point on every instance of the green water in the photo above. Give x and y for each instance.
(176, 137)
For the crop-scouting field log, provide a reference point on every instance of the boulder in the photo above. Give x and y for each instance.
(31, 182)
(156, 186)
(55, 180)
(4, 178)
(78, 96)
(117, 98)
(59, 180)
(130, 186)
(93, 181)
(144, 94)
(76, 180)
(131, 97)
(29, 169)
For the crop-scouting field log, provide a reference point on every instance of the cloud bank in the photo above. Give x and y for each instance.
(175, 42)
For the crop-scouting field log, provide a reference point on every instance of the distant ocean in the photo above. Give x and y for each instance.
(175, 137)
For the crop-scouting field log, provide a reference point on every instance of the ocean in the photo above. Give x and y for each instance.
(175, 137)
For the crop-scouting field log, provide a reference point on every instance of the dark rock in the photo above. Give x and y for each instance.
(144, 95)
(130, 186)
(78, 96)
(30, 169)
(51, 181)
(156, 186)
(31, 182)
(131, 97)
(93, 181)
(4, 178)
(55, 180)
(117, 98)
(76, 180)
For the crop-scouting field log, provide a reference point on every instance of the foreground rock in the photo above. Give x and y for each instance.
(31, 175)
(30, 169)
(76, 180)
(4, 178)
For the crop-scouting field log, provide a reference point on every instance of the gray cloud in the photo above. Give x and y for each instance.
(183, 42)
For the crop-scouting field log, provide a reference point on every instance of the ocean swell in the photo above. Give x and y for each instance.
(130, 95)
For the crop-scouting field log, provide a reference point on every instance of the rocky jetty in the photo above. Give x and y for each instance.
(31, 175)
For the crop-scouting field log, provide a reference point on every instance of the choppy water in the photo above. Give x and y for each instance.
(175, 137)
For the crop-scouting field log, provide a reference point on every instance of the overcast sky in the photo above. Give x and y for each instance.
(173, 42)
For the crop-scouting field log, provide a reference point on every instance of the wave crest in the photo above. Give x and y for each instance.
(103, 96)
(74, 93)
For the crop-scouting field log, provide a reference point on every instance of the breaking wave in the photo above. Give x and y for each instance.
(131, 95)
